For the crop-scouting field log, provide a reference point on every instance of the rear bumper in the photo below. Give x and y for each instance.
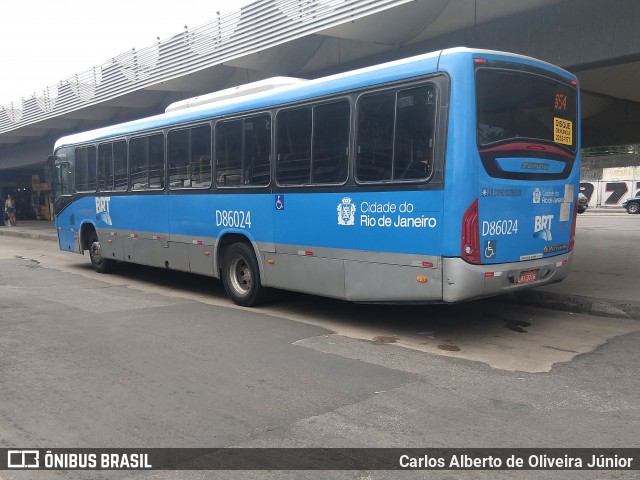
(464, 281)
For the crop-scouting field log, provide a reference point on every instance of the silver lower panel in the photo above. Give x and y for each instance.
(345, 274)
(463, 281)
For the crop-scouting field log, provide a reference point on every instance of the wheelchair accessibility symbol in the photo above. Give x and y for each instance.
(490, 249)
(279, 202)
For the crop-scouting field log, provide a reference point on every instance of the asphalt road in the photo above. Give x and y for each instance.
(149, 358)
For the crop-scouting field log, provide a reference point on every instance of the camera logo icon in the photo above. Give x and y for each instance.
(23, 459)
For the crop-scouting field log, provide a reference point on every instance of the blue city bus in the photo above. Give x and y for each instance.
(443, 177)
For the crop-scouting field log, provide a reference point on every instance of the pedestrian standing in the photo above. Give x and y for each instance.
(10, 208)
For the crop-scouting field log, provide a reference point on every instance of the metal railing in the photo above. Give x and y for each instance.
(256, 27)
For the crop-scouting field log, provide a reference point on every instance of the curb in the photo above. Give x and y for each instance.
(32, 235)
(601, 307)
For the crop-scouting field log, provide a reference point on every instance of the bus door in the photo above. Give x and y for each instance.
(527, 138)
(58, 168)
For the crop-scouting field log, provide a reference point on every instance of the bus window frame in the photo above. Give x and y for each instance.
(312, 104)
(439, 127)
(439, 81)
(147, 134)
(99, 145)
(112, 142)
(87, 147)
(242, 117)
(188, 127)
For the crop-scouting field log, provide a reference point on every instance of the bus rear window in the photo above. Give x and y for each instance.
(518, 106)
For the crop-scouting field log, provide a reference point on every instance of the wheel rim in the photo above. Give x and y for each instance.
(94, 253)
(633, 208)
(240, 276)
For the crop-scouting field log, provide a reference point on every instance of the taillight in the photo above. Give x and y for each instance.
(470, 234)
(573, 225)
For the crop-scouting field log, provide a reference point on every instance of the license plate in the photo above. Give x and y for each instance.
(528, 276)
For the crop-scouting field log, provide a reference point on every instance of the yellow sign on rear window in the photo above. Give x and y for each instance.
(562, 131)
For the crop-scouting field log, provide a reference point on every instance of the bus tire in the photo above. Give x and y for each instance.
(241, 276)
(100, 264)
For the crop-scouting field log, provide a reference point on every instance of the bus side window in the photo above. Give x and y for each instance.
(375, 137)
(200, 157)
(85, 168)
(156, 161)
(229, 153)
(396, 133)
(120, 165)
(105, 167)
(138, 166)
(294, 147)
(189, 157)
(146, 155)
(257, 150)
(81, 169)
(415, 130)
(177, 158)
(331, 143)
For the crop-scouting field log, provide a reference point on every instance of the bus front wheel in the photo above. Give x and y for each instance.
(241, 276)
(101, 265)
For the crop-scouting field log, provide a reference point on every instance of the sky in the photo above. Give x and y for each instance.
(45, 41)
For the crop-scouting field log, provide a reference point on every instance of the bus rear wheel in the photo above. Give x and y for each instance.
(241, 276)
(101, 264)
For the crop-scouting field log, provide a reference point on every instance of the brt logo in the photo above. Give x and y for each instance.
(102, 204)
(542, 227)
(102, 209)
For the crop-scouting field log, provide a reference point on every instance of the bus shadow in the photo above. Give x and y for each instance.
(166, 278)
(501, 334)
(397, 318)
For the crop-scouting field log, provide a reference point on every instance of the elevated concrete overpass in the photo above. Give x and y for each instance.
(598, 40)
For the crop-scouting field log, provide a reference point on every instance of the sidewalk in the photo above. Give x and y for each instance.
(604, 273)
(598, 284)
(35, 229)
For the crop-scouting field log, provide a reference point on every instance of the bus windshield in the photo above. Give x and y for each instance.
(519, 106)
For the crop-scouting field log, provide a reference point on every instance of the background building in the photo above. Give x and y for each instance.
(597, 40)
